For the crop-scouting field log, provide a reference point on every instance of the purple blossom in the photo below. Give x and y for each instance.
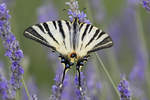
(57, 88)
(3, 83)
(12, 48)
(146, 4)
(75, 12)
(123, 88)
(68, 92)
(3, 87)
(6, 92)
(81, 92)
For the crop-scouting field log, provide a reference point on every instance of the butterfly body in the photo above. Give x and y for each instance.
(74, 41)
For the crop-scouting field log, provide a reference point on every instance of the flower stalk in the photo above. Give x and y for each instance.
(107, 74)
(13, 52)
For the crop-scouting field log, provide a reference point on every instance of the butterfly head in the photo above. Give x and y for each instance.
(73, 57)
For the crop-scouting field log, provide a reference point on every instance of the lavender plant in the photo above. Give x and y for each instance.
(13, 52)
(57, 89)
(4, 88)
(11, 46)
(123, 88)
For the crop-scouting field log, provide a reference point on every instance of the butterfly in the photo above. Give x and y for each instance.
(73, 41)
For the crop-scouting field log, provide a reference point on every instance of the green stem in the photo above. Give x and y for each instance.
(25, 87)
(107, 74)
(18, 95)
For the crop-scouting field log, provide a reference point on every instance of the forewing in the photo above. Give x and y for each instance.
(53, 34)
(92, 39)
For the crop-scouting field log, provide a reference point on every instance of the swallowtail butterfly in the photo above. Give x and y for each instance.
(73, 41)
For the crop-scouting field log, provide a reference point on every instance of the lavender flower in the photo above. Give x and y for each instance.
(11, 45)
(75, 12)
(146, 4)
(6, 92)
(81, 92)
(3, 87)
(57, 88)
(123, 88)
(13, 51)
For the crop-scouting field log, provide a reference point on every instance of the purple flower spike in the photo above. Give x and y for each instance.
(123, 88)
(3, 87)
(57, 88)
(5, 90)
(12, 48)
(81, 92)
(74, 12)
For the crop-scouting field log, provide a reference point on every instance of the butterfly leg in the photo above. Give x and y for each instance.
(63, 77)
(67, 66)
(79, 81)
(79, 76)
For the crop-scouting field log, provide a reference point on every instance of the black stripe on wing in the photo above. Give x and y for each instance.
(75, 30)
(94, 36)
(68, 25)
(54, 23)
(32, 34)
(49, 32)
(40, 27)
(81, 26)
(61, 28)
(85, 31)
(90, 28)
(102, 33)
(105, 43)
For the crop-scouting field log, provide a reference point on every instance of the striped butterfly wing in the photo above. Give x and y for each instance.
(92, 39)
(53, 34)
